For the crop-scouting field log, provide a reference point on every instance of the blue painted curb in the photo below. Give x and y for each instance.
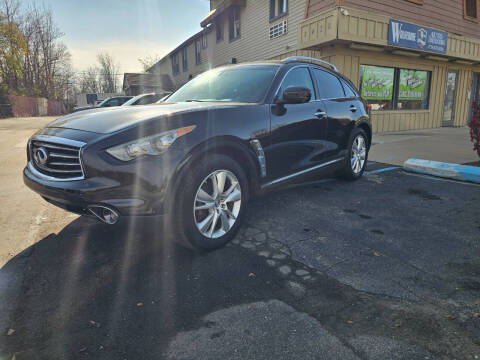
(445, 170)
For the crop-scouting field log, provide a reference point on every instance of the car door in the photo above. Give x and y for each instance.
(297, 130)
(340, 112)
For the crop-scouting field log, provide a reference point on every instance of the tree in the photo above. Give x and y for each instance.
(148, 61)
(108, 73)
(12, 48)
(33, 61)
(88, 80)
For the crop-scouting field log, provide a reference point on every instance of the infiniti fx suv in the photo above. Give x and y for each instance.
(196, 158)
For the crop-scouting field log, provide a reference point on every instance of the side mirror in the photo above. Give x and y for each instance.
(296, 95)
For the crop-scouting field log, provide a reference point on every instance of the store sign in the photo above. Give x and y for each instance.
(412, 36)
(377, 83)
(412, 85)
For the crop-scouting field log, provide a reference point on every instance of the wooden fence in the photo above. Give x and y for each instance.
(23, 106)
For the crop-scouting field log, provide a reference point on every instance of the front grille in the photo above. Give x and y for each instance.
(56, 158)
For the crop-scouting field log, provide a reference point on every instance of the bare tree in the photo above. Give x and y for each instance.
(32, 59)
(88, 80)
(109, 70)
(148, 61)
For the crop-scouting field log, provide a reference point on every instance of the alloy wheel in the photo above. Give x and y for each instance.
(359, 154)
(217, 204)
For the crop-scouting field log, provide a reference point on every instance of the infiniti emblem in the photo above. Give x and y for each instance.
(41, 156)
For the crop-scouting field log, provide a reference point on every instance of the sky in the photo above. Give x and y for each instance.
(126, 29)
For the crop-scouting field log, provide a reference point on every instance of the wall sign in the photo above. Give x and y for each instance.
(416, 37)
(377, 83)
(412, 85)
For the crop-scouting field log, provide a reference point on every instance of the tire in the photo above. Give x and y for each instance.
(192, 225)
(353, 169)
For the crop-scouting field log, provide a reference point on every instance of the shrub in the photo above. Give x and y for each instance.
(475, 127)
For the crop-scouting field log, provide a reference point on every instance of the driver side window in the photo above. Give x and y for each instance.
(298, 77)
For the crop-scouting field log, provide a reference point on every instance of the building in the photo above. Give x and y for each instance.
(417, 62)
(235, 31)
(140, 83)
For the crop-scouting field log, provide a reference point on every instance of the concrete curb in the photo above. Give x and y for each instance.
(445, 170)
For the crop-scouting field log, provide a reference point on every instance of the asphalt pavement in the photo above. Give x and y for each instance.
(383, 268)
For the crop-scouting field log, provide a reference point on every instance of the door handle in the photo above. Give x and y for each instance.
(353, 108)
(320, 114)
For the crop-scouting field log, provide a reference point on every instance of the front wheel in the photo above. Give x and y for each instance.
(356, 156)
(212, 203)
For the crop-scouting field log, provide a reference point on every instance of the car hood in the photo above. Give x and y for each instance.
(108, 120)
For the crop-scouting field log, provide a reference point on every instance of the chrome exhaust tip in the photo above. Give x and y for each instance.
(104, 214)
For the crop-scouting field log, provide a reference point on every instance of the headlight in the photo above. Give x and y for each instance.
(150, 145)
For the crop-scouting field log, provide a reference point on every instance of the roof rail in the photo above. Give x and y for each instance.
(311, 60)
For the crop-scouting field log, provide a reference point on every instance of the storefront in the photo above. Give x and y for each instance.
(414, 77)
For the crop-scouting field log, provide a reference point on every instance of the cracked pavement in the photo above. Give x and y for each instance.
(384, 268)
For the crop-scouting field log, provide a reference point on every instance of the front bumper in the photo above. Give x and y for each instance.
(77, 195)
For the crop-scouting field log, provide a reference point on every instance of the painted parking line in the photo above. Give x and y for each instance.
(381, 170)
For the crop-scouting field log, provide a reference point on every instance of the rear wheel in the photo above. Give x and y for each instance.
(356, 156)
(212, 202)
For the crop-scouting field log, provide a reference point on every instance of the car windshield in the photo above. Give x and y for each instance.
(132, 100)
(247, 84)
(103, 102)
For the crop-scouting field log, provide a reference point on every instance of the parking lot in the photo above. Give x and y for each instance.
(383, 268)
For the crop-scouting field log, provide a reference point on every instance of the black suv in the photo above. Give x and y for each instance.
(199, 156)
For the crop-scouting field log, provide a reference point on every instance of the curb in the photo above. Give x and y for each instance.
(445, 170)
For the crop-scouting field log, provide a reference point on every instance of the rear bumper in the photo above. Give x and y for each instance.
(77, 195)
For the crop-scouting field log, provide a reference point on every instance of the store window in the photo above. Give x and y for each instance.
(387, 88)
(413, 90)
(377, 86)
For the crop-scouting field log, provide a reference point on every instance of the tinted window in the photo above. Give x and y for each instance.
(114, 102)
(147, 99)
(328, 85)
(349, 93)
(298, 77)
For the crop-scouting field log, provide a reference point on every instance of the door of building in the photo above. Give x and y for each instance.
(450, 96)
(474, 96)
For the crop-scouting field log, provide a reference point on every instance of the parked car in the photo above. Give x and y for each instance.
(145, 99)
(113, 101)
(198, 157)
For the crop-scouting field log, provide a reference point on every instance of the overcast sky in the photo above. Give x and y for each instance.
(126, 29)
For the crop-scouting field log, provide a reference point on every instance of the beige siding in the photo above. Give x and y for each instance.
(348, 62)
(255, 43)
(441, 14)
(318, 6)
(372, 28)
